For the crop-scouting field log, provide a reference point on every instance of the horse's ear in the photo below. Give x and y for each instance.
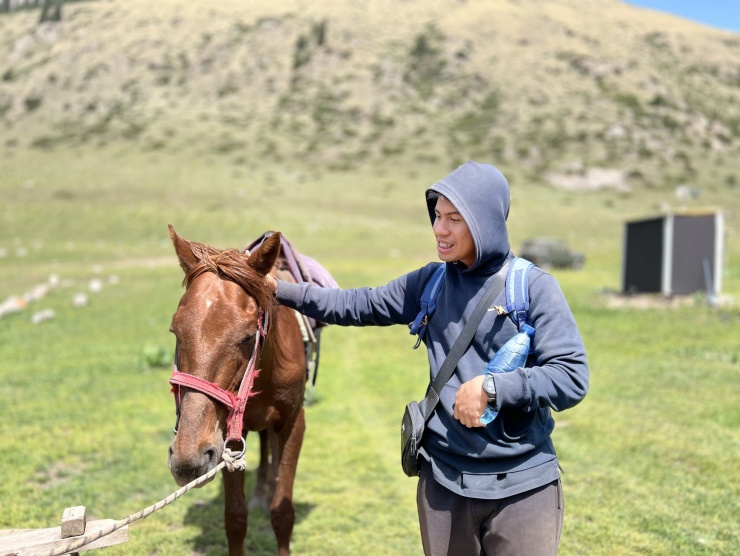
(183, 250)
(263, 258)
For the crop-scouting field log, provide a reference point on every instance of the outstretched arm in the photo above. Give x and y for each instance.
(397, 302)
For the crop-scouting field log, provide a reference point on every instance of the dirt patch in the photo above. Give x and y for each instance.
(615, 300)
(58, 473)
(590, 179)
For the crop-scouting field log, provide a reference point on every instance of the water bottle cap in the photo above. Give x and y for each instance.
(528, 329)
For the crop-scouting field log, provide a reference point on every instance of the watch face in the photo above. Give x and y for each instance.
(488, 385)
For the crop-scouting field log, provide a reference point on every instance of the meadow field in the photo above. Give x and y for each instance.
(650, 457)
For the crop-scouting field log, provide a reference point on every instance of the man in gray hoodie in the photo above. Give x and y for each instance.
(482, 489)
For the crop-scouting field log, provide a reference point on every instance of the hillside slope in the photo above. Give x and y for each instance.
(581, 93)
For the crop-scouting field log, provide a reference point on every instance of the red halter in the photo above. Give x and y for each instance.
(236, 403)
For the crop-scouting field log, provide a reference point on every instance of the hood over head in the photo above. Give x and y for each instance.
(480, 193)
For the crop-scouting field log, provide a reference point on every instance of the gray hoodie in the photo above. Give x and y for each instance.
(514, 453)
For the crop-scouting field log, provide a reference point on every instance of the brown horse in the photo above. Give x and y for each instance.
(230, 332)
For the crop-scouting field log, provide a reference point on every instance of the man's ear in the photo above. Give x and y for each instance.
(183, 250)
(263, 258)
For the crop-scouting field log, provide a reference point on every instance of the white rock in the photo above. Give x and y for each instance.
(43, 315)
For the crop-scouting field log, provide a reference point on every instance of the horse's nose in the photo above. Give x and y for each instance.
(210, 455)
(186, 467)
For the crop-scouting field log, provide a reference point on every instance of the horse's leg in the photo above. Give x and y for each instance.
(235, 511)
(276, 448)
(262, 491)
(282, 510)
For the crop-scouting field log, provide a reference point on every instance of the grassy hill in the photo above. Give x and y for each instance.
(576, 93)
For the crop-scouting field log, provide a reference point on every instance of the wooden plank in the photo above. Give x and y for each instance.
(73, 522)
(31, 542)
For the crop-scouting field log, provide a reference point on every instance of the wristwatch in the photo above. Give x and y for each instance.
(490, 388)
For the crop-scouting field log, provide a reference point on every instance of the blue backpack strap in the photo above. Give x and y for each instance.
(428, 303)
(517, 290)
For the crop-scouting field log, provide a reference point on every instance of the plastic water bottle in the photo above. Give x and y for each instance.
(511, 356)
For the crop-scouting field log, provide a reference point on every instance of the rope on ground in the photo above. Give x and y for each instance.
(233, 461)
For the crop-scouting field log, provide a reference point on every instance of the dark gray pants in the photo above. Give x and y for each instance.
(527, 524)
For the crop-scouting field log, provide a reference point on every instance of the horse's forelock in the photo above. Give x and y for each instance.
(230, 264)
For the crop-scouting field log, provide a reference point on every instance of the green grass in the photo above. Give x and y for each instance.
(649, 457)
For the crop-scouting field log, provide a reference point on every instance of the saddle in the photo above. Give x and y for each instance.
(293, 266)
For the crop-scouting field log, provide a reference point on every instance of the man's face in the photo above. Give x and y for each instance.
(454, 240)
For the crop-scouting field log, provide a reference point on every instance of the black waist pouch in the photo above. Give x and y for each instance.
(412, 429)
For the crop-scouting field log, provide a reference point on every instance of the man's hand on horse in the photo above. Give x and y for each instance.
(271, 283)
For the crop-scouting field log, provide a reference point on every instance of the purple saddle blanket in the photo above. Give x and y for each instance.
(301, 267)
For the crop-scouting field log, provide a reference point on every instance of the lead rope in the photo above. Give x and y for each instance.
(232, 461)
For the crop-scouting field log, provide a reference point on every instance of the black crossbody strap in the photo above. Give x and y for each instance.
(428, 404)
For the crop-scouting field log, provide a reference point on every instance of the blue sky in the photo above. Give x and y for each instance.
(722, 14)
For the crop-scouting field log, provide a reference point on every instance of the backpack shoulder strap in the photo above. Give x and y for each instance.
(517, 290)
(428, 303)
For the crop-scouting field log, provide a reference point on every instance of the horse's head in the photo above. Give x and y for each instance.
(216, 326)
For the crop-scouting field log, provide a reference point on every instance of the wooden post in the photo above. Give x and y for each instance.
(29, 542)
(73, 522)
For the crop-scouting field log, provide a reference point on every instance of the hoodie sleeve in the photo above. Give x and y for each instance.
(397, 302)
(559, 378)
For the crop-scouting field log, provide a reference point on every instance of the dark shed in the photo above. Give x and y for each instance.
(674, 254)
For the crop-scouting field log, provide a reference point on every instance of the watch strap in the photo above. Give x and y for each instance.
(491, 395)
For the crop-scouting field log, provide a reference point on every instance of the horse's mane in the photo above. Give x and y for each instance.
(230, 264)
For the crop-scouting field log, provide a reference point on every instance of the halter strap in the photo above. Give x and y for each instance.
(235, 403)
